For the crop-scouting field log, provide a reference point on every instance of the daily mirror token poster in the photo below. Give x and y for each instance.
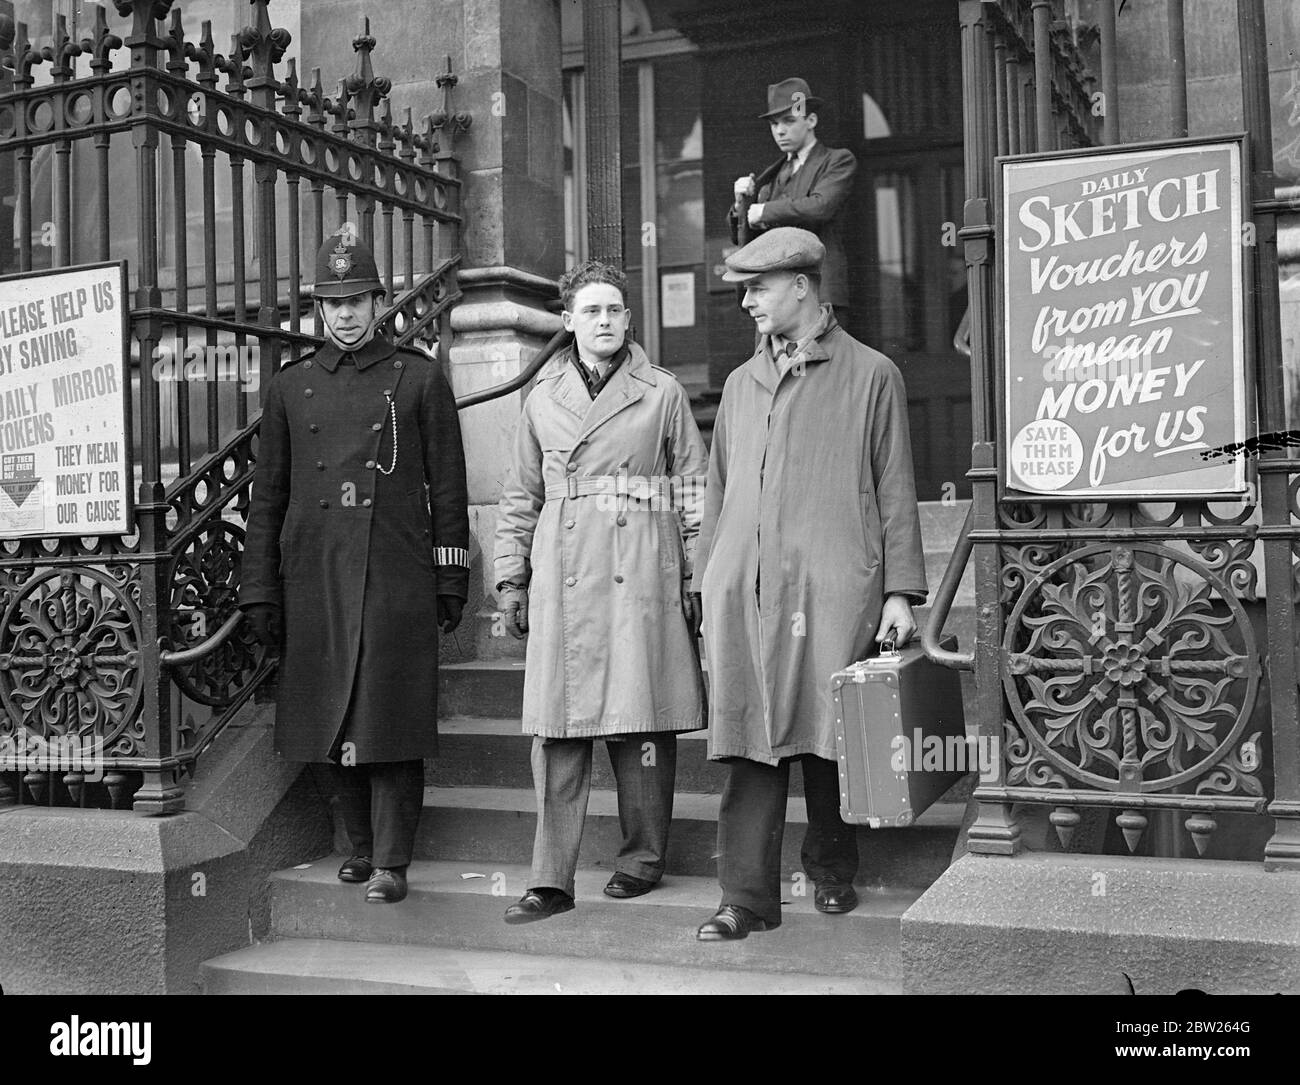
(1123, 322)
(65, 439)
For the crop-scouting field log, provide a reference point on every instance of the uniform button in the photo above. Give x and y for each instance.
(377, 426)
(367, 502)
(618, 579)
(307, 364)
(397, 364)
(370, 465)
(320, 466)
(569, 523)
(314, 428)
(571, 468)
(388, 391)
(571, 581)
(622, 520)
(308, 392)
(324, 504)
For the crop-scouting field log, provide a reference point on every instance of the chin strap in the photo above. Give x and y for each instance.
(345, 347)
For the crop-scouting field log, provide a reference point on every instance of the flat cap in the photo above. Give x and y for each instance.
(785, 248)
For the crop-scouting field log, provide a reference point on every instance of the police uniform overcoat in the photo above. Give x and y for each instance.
(609, 651)
(358, 521)
(810, 520)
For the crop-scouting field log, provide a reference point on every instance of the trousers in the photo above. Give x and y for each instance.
(751, 829)
(380, 805)
(562, 777)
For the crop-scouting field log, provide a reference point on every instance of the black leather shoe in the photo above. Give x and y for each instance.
(539, 904)
(835, 897)
(731, 922)
(386, 886)
(627, 885)
(357, 869)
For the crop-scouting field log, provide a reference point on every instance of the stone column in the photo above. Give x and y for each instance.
(506, 55)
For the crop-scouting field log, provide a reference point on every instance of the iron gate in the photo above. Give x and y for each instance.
(130, 648)
(1165, 702)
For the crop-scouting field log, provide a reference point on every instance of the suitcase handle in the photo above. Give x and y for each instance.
(887, 655)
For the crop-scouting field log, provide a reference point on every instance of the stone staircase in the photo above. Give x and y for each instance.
(472, 856)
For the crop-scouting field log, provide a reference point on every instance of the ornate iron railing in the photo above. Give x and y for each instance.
(1116, 663)
(111, 678)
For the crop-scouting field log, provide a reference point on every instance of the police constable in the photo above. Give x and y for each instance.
(806, 187)
(810, 549)
(356, 555)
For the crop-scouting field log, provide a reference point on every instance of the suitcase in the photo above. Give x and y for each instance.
(890, 712)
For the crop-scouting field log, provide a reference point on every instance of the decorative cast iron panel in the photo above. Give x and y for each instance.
(1128, 668)
(70, 654)
(205, 587)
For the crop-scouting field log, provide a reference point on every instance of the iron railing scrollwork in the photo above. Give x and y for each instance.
(122, 658)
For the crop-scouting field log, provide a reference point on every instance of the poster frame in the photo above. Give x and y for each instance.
(124, 378)
(1246, 487)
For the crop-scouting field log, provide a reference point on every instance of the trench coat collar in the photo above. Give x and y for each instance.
(768, 372)
(625, 386)
(374, 351)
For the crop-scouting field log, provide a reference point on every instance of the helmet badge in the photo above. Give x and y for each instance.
(340, 260)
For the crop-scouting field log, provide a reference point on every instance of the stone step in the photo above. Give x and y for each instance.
(302, 966)
(481, 752)
(489, 688)
(484, 752)
(936, 564)
(460, 906)
(495, 827)
(941, 523)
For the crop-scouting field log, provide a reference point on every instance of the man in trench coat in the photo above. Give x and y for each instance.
(593, 557)
(806, 187)
(357, 552)
(810, 548)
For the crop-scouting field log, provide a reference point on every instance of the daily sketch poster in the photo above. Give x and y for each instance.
(64, 452)
(1124, 325)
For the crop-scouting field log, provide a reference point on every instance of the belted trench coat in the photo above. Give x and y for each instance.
(599, 518)
(810, 520)
(355, 537)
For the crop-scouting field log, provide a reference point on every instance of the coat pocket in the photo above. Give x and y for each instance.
(670, 541)
(872, 532)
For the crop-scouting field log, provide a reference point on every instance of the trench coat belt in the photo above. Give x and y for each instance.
(637, 487)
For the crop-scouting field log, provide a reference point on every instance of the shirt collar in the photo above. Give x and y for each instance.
(802, 157)
(588, 375)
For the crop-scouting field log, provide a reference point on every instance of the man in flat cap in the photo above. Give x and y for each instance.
(809, 550)
(356, 555)
(806, 187)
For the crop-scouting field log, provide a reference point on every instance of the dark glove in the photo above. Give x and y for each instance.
(514, 609)
(693, 609)
(264, 620)
(450, 608)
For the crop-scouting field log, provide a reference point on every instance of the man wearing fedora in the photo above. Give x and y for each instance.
(809, 550)
(356, 556)
(806, 187)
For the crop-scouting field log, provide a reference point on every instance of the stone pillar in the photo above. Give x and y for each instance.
(506, 55)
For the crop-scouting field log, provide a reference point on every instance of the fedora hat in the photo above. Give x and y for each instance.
(782, 96)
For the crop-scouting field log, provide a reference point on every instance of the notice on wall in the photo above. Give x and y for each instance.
(65, 439)
(677, 299)
(1122, 278)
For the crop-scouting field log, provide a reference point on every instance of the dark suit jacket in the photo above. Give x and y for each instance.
(812, 199)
